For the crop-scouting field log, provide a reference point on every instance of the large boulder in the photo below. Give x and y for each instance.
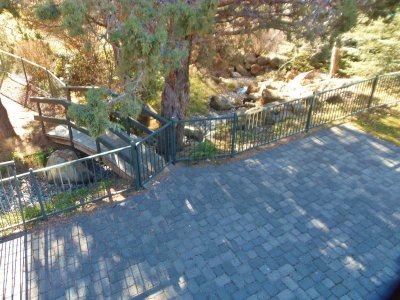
(194, 133)
(255, 69)
(262, 61)
(250, 58)
(75, 173)
(253, 88)
(277, 61)
(241, 70)
(220, 102)
(269, 96)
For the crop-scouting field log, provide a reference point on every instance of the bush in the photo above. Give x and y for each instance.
(203, 150)
(31, 212)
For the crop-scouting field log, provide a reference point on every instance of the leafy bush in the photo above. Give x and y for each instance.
(203, 150)
(60, 201)
(31, 212)
(373, 48)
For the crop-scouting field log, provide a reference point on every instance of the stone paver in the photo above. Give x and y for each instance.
(316, 218)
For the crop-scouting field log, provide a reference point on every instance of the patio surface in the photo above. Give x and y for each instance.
(315, 218)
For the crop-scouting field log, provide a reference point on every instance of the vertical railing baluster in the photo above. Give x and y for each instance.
(38, 190)
(234, 132)
(371, 97)
(309, 115)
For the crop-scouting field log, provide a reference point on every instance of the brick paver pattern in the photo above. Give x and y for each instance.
(316, 218)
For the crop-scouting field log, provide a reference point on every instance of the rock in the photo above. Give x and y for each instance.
(277, 61)
(255, 69)
(235, 98)
(269, 96)
(334, 99)
(249, 105)
(253, 88)
(236, 75)
(250, 98)
(241, 70)
(262, 61)
(298, 107)
(250, 58)
(276, 116)
(220, 102)
(290, 75)
(242, 90)
(76, 173)
(193, 132)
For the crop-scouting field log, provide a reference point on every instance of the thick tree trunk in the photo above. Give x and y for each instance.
(175, 96)
(6, 129)
(335, 59)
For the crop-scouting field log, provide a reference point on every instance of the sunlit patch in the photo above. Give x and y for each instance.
(318, 141)
(396, 215)
(317, 223)
(340, 243)
(337, 130)
(380, 147)
(299, 209)
(189, 206)
(376, 280)
(352, 264)
(385, 220)
(334, 169)
(290, 169)
(182, 283)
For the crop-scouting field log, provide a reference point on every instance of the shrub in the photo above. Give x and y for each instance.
(31, 212)
(203, 150)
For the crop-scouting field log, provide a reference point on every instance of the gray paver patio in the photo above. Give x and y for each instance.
(315, 218)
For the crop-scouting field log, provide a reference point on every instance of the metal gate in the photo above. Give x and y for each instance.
(11, 214)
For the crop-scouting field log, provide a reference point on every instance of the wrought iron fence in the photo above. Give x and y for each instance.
(40, 193)
(51, 190)
(21, 79)
(234, 134)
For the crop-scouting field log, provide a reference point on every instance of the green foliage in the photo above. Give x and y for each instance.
(8, 5)
(203, 150)
(47, 11)
(382, 122)
(74, 16)
(39, 158)
(81, 69)
(60, 201)
(199, 94)
(374, 48)
(31, 212)
(94, 115)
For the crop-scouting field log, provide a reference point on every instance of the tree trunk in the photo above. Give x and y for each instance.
(6, 129)
(175, 96)
(335, 59)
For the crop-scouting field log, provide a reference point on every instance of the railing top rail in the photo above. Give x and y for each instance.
(7, 163)
(69, 163)
(33, 64)
(154, 133)
(223, 117)
(389, 74)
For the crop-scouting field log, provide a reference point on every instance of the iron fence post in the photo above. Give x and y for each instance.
(18, 189)
(36, 188)
(234, 133)
(135, 165)
(309, 114)
(173, 139)
(50, 85)
(371, 97)
(27, 82)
